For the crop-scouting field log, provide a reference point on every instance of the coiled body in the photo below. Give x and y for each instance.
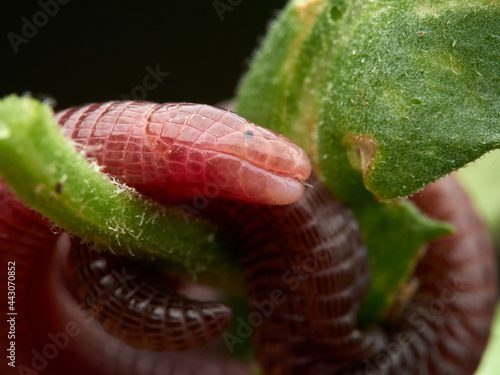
(141, 308)
(442, 328)
(306, 273)
(304, 264)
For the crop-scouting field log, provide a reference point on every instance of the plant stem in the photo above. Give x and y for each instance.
(44, 170)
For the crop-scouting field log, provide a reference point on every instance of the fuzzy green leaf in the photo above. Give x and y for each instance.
(394, 234)
(385, 97)
(421, 81)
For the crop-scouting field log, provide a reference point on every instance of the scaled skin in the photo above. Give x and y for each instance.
(170, 150)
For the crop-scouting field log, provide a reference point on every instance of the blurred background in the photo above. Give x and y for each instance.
(173, 50)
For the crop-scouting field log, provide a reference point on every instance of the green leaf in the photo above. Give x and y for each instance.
(272, 92)
(44, 170)
(385, 96)
(370, 90)
(421, 81)
(394, 235)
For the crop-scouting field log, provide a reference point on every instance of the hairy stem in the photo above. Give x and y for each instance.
(44, 170)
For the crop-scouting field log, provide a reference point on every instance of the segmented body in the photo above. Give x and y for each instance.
(304, 264)
(311, 252)
(141, 308)
(444, 326)
(306, 273)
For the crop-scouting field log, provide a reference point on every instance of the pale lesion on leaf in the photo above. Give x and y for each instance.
(361, 151)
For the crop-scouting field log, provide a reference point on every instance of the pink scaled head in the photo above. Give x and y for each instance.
(173, 151)
(249, 162)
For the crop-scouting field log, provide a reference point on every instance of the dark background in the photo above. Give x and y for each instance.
(91, 51)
